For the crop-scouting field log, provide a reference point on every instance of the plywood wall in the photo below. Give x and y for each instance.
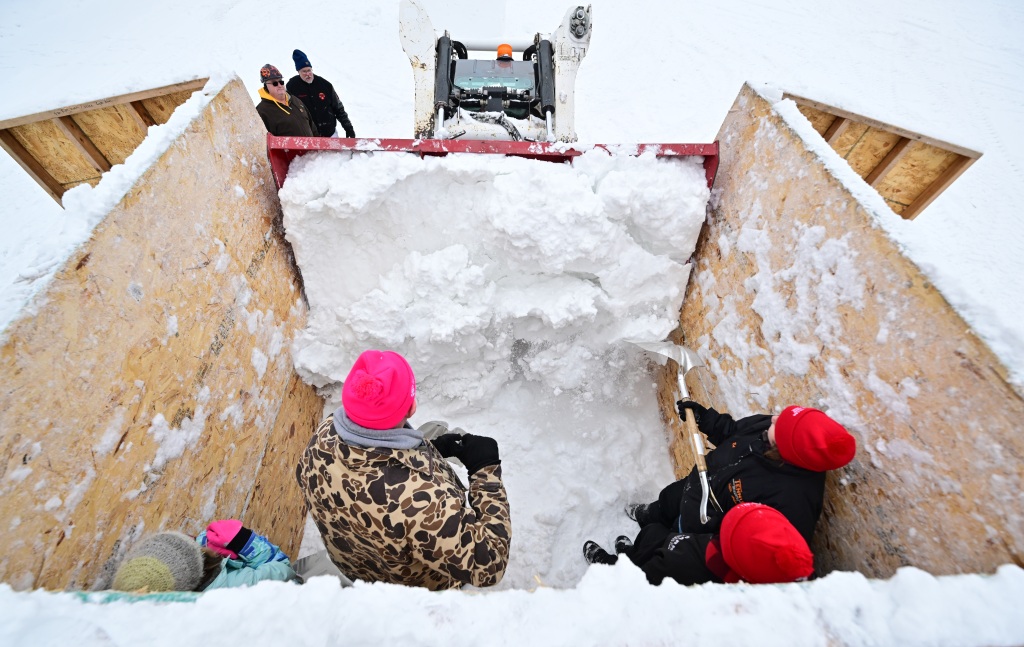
(150, 387)
(798, 297)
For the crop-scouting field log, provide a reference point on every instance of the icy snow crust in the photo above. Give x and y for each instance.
(510, 285)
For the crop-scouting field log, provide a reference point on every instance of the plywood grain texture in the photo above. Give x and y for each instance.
(113, 130)
(150, 386)
(46, 142)
(799, 294)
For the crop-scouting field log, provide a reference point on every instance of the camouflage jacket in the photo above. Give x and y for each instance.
(400, 515)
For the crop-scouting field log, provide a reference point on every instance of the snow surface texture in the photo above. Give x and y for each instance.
(613, 605)
(510, 286)
(947, 69)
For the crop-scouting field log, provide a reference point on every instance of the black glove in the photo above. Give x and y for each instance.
(698, 410)
(475, 452)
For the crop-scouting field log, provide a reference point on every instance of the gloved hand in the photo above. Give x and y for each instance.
(697, 409)
(475, 452)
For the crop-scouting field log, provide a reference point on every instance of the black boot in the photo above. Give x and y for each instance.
(623, 544)
(594, 554)
(640, 513)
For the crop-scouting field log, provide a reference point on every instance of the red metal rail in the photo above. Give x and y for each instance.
(282, 150)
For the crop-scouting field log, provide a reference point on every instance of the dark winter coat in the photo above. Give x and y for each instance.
(401, 516)
(285, 120)
(661, 552)
(323, 102)
(739, 472)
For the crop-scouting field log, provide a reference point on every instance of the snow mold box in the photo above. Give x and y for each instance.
(800, 296)
(150, 385)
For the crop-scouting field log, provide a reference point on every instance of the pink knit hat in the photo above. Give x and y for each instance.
(379, 390)
(810, 439)
(762, 547)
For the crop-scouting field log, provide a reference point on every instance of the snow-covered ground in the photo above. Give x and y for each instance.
(585, 437)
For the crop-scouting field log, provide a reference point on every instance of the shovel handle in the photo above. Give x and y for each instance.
(697, 441)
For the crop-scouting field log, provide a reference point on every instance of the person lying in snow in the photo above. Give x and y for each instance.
(226, 554)
(388, 505)
(756, 544)
(779, 461)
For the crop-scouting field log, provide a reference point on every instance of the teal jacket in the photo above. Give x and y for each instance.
(260, 560)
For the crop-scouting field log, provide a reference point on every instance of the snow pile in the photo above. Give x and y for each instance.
(510, 285)
(611, 606)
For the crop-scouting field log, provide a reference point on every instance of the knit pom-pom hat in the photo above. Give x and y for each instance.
(379, 390)
(270, 73)
(810, 439)
(762, 547)
(167, 561)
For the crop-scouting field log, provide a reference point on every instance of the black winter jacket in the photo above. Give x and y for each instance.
(292, 120)
(739, 472)
(323, 102)
(661, 552)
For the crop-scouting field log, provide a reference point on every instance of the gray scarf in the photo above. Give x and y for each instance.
(353, 434)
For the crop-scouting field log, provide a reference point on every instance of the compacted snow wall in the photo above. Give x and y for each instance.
(799, 296)
(150, 385)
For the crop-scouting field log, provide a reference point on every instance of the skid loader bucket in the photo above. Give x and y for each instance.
(282, 150)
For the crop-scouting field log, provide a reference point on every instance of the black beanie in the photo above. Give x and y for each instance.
(301, 60)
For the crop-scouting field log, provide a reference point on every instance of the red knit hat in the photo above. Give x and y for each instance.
(379, 390)
(810, 439)
(760, 544)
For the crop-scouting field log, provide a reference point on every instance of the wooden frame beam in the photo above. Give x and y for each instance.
(948, 176)
(879, 125)
(891, 159)
(836, 129)
(82, 142)
(141, 114)
(32, 166)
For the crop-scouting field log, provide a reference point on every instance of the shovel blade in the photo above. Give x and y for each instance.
(685, 358)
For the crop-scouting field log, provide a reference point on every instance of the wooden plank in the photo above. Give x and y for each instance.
(893, 157)
(55, 151)
(145, 119)
(836, 129)
(114, 130)
(85, 145)
(874, 123)
(938, 186)
(35, 170)
(921, 165)
(143, 332)
(819, 119)
(174, 88)
(162, 107)
(846, 142)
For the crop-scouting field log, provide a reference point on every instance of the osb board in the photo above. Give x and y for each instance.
(921, 166)
(113, 130)
(150, 387)
(849, 138)
(820, 119)
(798, 298)
(161, 108)
(61, 158)
(871, 150)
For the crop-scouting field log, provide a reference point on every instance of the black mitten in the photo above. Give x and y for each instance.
(475, 452)
(698, 410)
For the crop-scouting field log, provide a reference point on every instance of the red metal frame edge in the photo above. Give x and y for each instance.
(282, 150)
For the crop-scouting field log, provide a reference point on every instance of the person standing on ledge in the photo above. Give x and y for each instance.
(319, 96)
(283, 115)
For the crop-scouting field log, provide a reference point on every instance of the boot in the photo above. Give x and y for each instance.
(594, 554)
(640, 513)
(623, 544)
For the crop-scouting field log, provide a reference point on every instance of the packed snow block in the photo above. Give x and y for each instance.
(150, 386)
(799, 296)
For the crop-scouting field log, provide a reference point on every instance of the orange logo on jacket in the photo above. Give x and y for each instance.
(736, 490)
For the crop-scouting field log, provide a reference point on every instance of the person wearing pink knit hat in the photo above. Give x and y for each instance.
(387, 502)
(778, 461)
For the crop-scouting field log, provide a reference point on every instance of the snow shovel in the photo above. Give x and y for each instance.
(686, 359)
